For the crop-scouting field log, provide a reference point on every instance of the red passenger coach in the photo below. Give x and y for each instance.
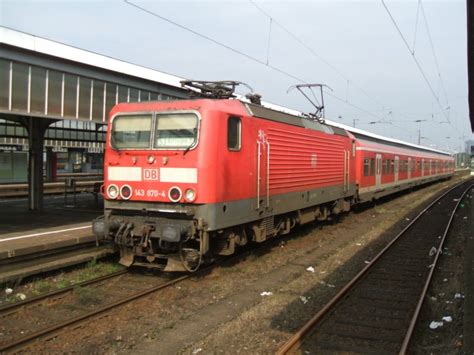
(385, 166)
(188, 180)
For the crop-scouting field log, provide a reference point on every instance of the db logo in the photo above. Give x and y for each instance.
(150, 174)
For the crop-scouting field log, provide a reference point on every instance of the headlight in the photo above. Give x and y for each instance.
(113, 191)
(175, 194)
(126, 192)
(190, 195)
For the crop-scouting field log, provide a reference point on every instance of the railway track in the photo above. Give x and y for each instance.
(19, 190)
(376, 312)
(45, 316)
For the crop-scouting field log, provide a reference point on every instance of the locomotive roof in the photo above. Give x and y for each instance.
(291, 119)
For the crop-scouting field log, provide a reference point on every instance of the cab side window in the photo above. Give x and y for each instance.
(234, 133)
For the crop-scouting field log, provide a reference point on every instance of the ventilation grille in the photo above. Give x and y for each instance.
(267, 224)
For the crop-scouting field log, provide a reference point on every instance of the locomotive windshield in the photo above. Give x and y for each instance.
(131, 132)
(171, 131)
(175, 130)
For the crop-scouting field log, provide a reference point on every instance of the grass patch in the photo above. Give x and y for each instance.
(43, 286)
(95, 269)
(91, 270)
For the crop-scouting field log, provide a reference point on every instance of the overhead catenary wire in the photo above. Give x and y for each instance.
(241, 53)
(434, 53)
(210, 39)
(250, 57)
(442, 110)
(352, 105)
(416, 25)
(314, 53)
(311, 50)
(418, 65)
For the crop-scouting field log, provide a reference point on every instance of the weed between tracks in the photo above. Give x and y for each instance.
(87, 296)
(35, 287)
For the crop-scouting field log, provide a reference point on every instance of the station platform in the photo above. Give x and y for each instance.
(58, 236)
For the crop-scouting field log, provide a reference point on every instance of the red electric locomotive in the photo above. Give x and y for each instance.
(188, 180)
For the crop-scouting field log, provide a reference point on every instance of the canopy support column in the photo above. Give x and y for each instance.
(36, 129)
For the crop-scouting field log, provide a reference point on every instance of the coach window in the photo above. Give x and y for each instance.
(372, 166)
(234, 127)
(386, 167)
(366, 167)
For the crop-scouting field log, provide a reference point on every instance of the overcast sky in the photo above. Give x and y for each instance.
(351, 46)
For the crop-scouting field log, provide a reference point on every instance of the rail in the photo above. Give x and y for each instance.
(18, 339)
(322, 321)
(79, 175)
(20, 190)
(26, 337)
(13, 307)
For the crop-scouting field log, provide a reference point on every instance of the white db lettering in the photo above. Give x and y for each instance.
(150, 174)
